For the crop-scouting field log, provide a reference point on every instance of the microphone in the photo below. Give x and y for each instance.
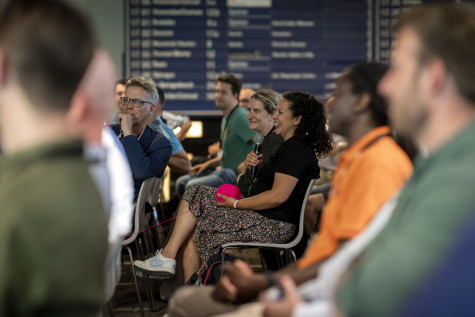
(257, 149)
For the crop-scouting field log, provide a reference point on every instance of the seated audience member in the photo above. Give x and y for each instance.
(243, 101)
(236, 140)
(369, 173)
(53, 229)
(431, 100)
(244, 97)
(118, 93)
(148, 152)
(179, 161)
(260, 109)
(213, 149)
(271, 211)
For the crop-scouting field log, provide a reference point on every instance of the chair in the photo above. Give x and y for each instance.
(282, 248)
(156, 200)
(148, 194)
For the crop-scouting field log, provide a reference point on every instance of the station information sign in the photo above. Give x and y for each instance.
(279, 44)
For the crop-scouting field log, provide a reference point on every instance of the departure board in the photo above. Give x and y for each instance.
(279, 44)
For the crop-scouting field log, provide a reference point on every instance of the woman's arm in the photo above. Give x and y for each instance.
(281, 189)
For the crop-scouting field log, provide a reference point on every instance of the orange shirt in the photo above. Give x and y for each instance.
(367, 175)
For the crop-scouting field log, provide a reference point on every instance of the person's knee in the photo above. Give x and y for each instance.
(196, 181)
(181, 183)
(191, 242)
(195, 301)
(179, 301)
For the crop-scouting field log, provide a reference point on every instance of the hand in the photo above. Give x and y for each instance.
(183, 130)
(126, 122)
(185, 126)
(228, 201)
(287, 304)
(198, 169)
(252, 159)
(238, 283)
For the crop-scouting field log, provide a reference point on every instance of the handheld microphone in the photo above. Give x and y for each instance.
(257, 149)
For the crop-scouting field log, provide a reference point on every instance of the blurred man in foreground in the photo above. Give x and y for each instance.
(53, 231)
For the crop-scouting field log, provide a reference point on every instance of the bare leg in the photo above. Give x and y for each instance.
(191, 257)
(184, 226)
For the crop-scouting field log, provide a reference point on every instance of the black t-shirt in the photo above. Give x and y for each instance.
(296, 159)
(246, 184)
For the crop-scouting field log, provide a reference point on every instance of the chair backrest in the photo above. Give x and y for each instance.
(301, 227)
(146, 191)
(154, 192)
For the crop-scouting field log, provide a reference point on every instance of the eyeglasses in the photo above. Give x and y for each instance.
(135, 102)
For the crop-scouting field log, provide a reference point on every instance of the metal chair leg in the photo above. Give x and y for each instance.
(263, 260)
(135, 281)
(148, 289)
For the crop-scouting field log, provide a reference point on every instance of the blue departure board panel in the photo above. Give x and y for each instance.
(280, 44)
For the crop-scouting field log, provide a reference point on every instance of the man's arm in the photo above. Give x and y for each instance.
(200, 168)
(148, 164)
(242, 285)
(180, 163)
(183, 131)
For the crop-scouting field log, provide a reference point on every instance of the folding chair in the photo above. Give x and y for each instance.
(148, 195)
(282, 248)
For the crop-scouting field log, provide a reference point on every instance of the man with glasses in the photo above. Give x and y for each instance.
(148, 151)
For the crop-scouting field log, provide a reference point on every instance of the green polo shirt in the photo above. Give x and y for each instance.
(236, 139)
(431, 209)
(53, 234)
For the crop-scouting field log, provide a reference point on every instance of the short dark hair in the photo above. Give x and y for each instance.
(233, 81)
(161, 96)
(364, 79)
(121, 81)
(446, 30)
(49, 46)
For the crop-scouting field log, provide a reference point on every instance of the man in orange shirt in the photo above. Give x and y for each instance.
(369, 173)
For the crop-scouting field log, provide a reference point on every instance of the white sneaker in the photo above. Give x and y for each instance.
(157, 265)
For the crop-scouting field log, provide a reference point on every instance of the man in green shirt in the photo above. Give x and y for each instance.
(235, 140)
(432, 99)
(53, 231)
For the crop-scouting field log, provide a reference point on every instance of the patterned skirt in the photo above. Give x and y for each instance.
(217, 225)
